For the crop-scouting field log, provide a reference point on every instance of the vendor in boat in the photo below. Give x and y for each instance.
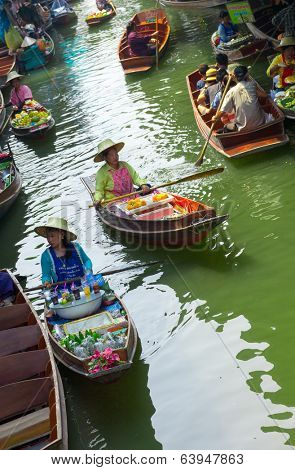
(243, 100)
(104, 5)
(19, 93)
(226, 30)
(283, 65)
(115, 178)
(64, 258)
(140, 45)
(29, 55)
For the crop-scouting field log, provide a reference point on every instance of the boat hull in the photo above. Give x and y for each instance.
(193, 4)
(79, 366)
(9, 195)
(33, 413)
(33, 133)
(240, 144)
(257, 46)
(64, 19)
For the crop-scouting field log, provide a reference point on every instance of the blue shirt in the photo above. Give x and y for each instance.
(56, 269)
(226, 32)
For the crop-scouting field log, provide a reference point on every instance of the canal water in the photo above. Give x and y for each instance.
(213, 369)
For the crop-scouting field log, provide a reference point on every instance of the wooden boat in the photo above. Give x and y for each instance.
(32, 132)
(32, 412)
(249, 47)
(262, 27)
(239, 144)
(62, 13)
(13, 185)
(102, 19)
(192, 3)
(7, 62)
(80, 366)
(183, 230)
(145, 22)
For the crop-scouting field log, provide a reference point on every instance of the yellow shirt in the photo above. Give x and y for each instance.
(277, 61)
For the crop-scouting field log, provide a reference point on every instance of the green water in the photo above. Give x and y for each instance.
(214, 369)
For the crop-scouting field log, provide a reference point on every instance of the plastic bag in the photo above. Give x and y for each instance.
(80, 352)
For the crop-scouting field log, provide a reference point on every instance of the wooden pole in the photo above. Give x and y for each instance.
(157, 31)
(202, 153)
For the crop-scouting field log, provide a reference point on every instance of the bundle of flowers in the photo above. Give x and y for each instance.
(103, 360)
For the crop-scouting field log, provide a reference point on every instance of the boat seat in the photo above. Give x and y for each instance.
(21, 397)
(25, 429)
(14, 315)
(23, 366)
(19, 339)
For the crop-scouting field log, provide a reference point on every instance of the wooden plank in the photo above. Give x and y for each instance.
(19, 339)
(25, 429)
(20, 398)
(22, 366)
(14, 315)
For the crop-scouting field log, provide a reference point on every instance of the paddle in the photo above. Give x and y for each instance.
(157, 42)
(104, 273)
(202, 153)
(6, 122)
(194, 176)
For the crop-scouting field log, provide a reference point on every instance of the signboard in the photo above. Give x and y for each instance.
(240, 12)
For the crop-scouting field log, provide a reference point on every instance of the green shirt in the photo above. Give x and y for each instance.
(104, 181)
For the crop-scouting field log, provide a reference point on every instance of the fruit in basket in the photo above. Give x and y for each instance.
(30, 118)
(160, 197)
(135, 204)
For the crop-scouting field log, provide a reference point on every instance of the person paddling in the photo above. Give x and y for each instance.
(115, 178)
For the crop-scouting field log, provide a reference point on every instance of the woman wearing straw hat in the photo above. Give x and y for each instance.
(64, 258)
(283, 65)
(19, 93)
(115, 178)
(29, 56)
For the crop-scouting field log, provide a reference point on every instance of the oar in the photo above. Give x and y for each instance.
(202, 153)
(194, 176)
(104, 273)
(157, 42)
(6, 122)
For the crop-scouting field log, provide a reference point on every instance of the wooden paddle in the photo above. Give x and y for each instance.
(202, 153)
(157, 42)
(194, 176)
(104, 273)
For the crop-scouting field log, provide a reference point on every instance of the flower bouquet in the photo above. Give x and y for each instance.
(103, 361)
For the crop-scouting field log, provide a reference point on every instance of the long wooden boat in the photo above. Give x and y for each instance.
(239, 144)
(32, 412)
(14, 184)
(262, 27)
(80, 366)
(62, 16)
(250, 47)
(7, 62)
(180, 230)
(102, 19)
(145, 22)
(192, 3)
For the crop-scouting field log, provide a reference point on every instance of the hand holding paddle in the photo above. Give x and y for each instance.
(194, 176)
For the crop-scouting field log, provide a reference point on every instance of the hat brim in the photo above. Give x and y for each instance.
(100, 158)
(280, 46)
(211, 79)
(42, 231)
(10, 80)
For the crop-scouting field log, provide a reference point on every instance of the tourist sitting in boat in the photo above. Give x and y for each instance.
(7, 293)
(283, 65)
(226, 30)
(138, 44)
(64, 258)
(115, 178)
(243, 100)
(207, 93)
(104, 5)
(19, 93)
(221, 61)
(201, 83)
